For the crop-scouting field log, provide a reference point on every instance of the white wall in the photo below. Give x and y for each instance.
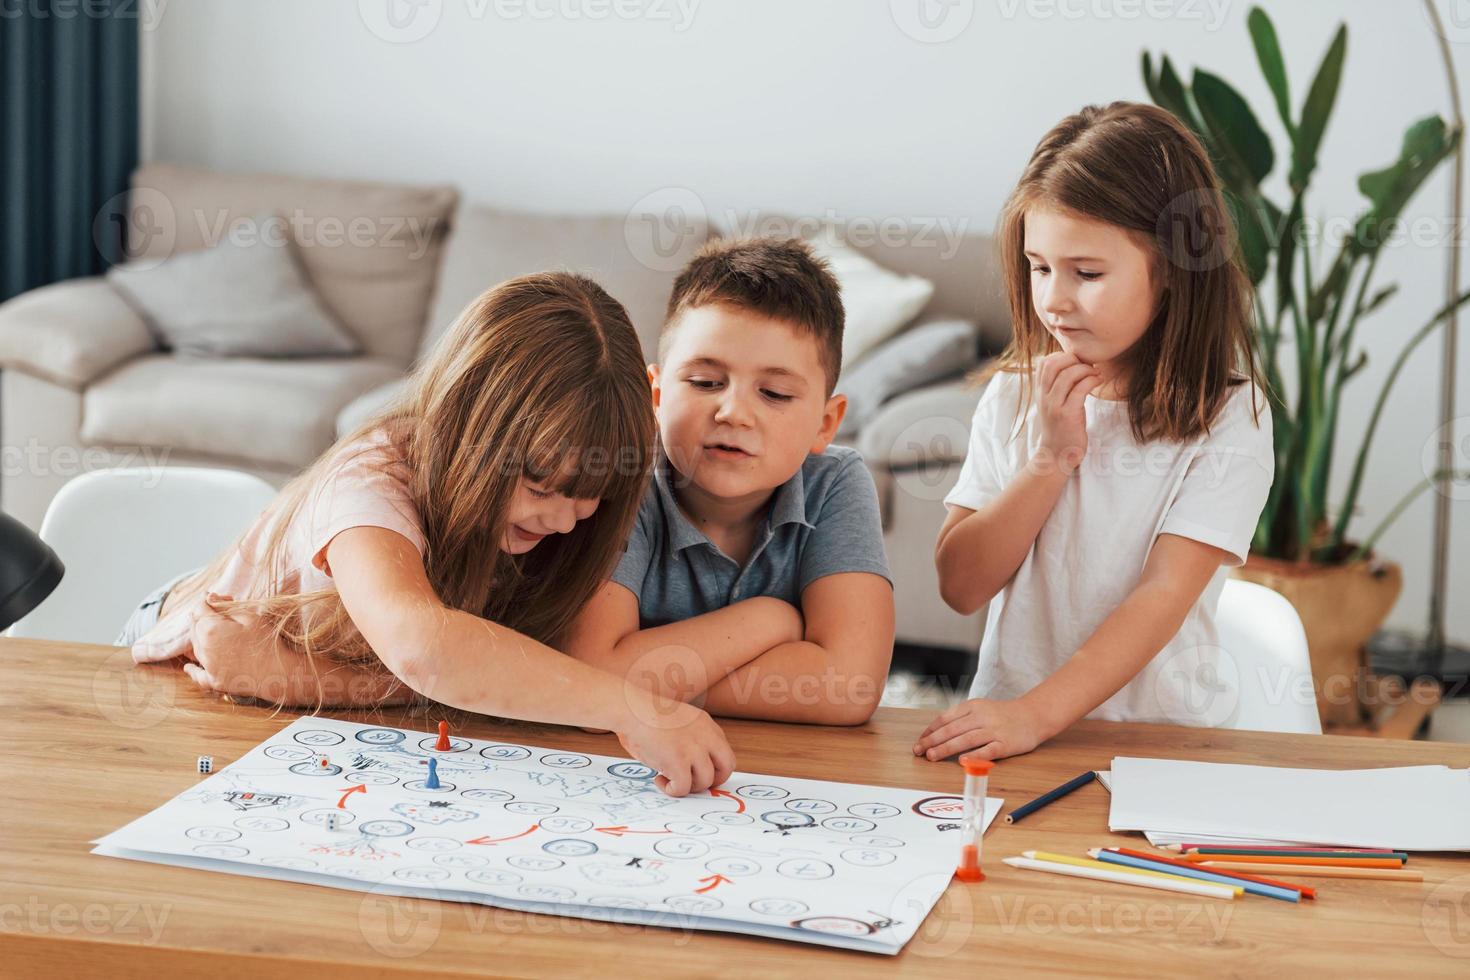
(801, 106)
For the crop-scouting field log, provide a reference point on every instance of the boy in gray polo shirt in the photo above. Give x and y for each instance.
(754, 582)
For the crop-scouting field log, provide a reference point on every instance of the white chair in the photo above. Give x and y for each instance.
(123, 532)
(1263, 635)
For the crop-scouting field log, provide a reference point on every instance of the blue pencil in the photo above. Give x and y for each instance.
(1251, 887)
(1045, 798)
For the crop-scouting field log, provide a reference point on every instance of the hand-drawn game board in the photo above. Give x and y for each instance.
(515, 826)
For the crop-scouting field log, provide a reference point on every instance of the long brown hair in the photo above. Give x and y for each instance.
(541, 377)
(1137, 167)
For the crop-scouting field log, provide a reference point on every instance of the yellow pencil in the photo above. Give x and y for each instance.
(1317, 870)
(1105, 866)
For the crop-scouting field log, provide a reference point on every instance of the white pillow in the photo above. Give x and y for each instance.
(878, 303)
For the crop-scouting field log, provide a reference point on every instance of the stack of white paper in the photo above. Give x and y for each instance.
(1409, 808)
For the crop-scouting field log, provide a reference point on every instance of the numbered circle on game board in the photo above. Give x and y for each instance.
(319, 817)
(380, 736)
(547, 893)
(565, 760)
(422, 786)
(873, 811)
(757, 791)
(438, 844)
(784, 908)
(941, 807)
(386, 828)
(366, 874)
(866, 857)
(785, 818)
(318, 737)
(488, 795)
(728, 818)
(835, 925)
(689, 828)
(287, 753)
(455, 744)
(810, 806)
(877, 840)
(733, 867)
(617, 902)
(494, 876)
(212, 835)
(569, 847)
(807, 869)
(506, 753)
(849, 825)
(631, 770)
(312, 769)
(371, 778)
(693, 904)
(421, 876)
(222, 850)
(461, 862)
(565, 825)
(263, 825)
(531, 807)
(681, 847)
(534, 862)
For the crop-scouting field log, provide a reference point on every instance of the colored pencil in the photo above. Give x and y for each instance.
(1256, 886)
(1104, 866)
(1315, 852)
(1364, 851)
(1027, 808)
(1162, 882)
(1340, 862)
(1322, 870)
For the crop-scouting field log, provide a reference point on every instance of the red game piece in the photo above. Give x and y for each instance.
(443, 744)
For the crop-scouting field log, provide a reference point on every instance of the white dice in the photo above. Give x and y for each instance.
(206, 765)
(332, 821)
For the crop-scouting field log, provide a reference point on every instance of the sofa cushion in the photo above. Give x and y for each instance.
(922, 428)
(371, 251)
(367, 404)
(921, 356)
(276, 412)
(70, 332)
(490, 245)
(233, 300)
(877, 303)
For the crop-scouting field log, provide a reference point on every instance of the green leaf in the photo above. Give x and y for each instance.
(1379, 298)
(1426, 143)
(1268, 53)
(1315, 112)
(1286, 254)
(1255, 245)
(1233, 127)
(1330, 287)
(1176, 99)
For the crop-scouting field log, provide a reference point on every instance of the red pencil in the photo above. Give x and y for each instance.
(1364, 851)
(1306, 892)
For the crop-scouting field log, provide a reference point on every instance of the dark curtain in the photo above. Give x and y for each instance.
(68, 136)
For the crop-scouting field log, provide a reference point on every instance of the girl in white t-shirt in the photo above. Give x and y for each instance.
(1121, 454)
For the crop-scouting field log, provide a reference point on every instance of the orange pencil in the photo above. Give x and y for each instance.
(1318, 870)
(1342, 862)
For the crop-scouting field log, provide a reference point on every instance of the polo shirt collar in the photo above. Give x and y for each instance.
(788, 507)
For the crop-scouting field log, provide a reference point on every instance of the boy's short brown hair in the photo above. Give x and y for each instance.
(775, 277)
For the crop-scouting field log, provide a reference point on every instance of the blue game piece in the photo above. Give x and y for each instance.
(433, 781)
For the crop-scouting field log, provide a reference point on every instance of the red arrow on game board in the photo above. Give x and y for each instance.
(359, 788)
(740, 804)
(497, 840)
(713, 881)
(622, 829)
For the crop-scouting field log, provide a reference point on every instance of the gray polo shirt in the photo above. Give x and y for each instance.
(822, 521)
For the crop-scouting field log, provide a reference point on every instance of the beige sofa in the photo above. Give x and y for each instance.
(85, 386)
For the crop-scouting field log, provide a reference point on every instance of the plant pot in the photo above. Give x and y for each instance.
(1340, 606)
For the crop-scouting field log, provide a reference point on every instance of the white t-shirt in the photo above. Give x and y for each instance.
(1091, 551)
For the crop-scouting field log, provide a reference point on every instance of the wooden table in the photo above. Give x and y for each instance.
(93, 742)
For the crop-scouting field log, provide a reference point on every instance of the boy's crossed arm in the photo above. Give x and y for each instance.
(758, 658)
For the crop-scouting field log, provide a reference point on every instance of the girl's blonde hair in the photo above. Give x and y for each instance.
(541, 377)
(1136, 166)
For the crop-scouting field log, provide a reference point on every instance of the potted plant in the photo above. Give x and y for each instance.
(1308, 310)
